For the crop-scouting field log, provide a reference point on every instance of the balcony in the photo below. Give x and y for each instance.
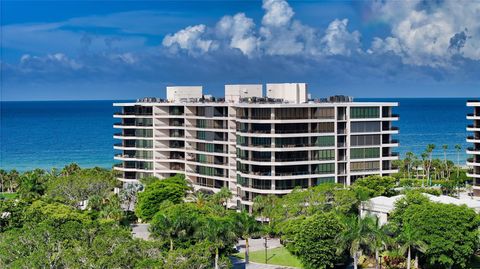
(473, 128)
(473, 151)
(472, 116)
(474, 103)
(392, 128)
(473, 139)
(132, 124)
(132, 114)
(391, 154)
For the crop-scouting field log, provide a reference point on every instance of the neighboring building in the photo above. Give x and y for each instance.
(252, 144)
(474, 161)
(382, 206)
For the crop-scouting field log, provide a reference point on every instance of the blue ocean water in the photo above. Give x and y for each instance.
(53, 134)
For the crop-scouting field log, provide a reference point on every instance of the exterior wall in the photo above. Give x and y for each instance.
(233, 93)
(255, 149)
(176, 93)
(292, 92)
(473, 162)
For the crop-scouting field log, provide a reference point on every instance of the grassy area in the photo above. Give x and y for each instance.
(277, 256)
(7, 195)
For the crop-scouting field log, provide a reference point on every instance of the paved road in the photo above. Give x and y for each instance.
(258, 244)
(140, 231)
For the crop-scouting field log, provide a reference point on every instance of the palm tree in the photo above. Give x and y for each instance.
(167, 227)
(458, 148)
(219, 231)
(13, 180)
(379, 240)
(247, 227)
(424, 166)
(70, 169)
(3, 179)
(264, 206)
(408, 240)
(445, 147)
(198, 197)
(358, 235)
(430, 148)
(409, 158)
(223, 196)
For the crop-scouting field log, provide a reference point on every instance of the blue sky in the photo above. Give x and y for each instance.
(60, 50)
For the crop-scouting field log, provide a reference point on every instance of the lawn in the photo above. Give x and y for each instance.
(277, 256)
(7, 195)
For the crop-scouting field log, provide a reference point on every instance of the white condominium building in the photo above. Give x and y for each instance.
(255, 145)
(473, 162)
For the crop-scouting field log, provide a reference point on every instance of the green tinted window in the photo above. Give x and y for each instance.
(364, 112)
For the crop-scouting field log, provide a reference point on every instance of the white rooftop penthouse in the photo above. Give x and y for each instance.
(382, 206)
(291, 92)
(178, 93)
(233, 93)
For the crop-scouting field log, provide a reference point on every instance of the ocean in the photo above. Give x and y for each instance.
(55, 133)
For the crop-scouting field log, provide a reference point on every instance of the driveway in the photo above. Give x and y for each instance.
(140, 231)
(258, 244)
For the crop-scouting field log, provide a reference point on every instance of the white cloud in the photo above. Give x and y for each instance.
(278, 13)
(429, 33)
(50, 60)
(240, 30)
(190, 39)
(278, 34)
(338, 40)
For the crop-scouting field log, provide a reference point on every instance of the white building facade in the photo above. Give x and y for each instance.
(255, 145)
(473, 162)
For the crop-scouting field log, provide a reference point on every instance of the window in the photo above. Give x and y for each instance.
(241, 140)
(261, 184)
(291, 142)
(364, 112)
(261, 141)
(261, 113)
(323, 180)
(365, 140)
(289, 184)
(328, 154)
(201, 123)
(365, 126)
(291, 113)
(324, 141)
(324, 113)
(324, 127)
(242, 181)
(364, 166)
(364, 153)
(324, 168)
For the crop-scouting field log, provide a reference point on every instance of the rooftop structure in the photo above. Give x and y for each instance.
(382, 206)
(255, 145)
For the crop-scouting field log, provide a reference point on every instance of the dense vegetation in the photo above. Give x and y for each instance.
(73, 219)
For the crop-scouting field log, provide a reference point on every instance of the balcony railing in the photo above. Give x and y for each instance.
(139, 124)
(132, 114)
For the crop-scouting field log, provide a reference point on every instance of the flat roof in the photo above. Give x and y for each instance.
(261, 105)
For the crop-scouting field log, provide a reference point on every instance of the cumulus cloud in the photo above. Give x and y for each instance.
(29, 62)
(190, 39)
(338, 40)
(430, 33)
(278, 13)
(279, 34)
(239, 29)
